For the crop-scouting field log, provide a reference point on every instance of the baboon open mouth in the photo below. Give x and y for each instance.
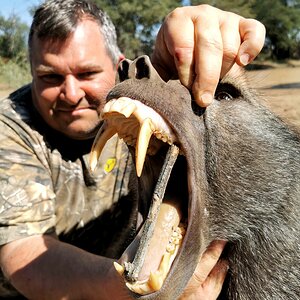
(162, 232)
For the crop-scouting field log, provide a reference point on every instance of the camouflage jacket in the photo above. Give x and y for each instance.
(45, 182)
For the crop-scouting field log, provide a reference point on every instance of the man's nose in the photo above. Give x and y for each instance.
(71, 90)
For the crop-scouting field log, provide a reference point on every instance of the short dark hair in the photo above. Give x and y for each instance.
(57, 19)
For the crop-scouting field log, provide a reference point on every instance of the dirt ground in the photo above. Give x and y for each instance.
(279, 85)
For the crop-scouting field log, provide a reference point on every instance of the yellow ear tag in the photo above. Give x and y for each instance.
(109, 165)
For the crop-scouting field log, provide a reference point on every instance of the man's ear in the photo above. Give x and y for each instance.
(121, 57)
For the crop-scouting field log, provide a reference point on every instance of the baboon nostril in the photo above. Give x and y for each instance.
(142, 68)
(123, 70)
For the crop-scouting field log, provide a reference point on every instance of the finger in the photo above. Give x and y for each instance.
(208, 59)
(177, 33)
(161, 58)
(214, 282)
(253, 37)
(184, 53)
(231, 41)
(219, 272)
(209, 275)
(208, 260)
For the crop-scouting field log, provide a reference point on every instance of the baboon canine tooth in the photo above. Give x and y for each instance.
(103, 135)
(165, 264)
(146, 131)
(157, 278)
(155, 281)
(119, 268)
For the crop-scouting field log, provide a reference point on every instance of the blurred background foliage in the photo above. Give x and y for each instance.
(137, 23)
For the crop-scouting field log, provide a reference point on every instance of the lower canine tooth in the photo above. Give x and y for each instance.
(156, 279)
(120, 269)
(103, 135)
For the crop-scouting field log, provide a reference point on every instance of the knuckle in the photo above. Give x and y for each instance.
(202, 11)
(253, 36)
(199, 278)
(205, 12)
(261, 27)
(213, 44)
(205, 9)
(178, 12)
(256, 26)
(230, 53)
(183, 53)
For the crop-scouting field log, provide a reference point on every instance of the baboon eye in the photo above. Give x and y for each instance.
(223, 96)
(227, 91)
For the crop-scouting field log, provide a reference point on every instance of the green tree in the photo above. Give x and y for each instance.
(241, 7)
(13, 34)
(137, 22)
(282, 21)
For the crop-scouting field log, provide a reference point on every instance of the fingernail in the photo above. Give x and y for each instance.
(206, 99)
(244, 59)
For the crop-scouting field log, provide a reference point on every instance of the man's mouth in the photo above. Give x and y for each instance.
(163, 230)
(73, 110)
(81, 106)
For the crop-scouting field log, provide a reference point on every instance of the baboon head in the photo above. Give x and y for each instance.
(228, 172)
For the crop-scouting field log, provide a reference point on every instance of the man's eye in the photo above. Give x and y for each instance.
(52, 78)
(86, 75)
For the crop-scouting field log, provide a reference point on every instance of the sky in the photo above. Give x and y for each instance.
(18, 7)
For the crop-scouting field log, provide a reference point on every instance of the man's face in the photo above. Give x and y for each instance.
(71, 79)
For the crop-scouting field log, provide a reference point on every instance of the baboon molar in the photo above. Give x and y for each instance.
(236, 178)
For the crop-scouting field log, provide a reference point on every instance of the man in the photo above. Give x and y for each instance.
(51, 206)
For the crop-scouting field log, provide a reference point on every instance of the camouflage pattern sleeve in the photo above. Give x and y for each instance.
(27, 200)
(46, 186)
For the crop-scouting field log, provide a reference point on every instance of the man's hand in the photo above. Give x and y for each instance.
(202, 43)
(208, 278)
(42, 267)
